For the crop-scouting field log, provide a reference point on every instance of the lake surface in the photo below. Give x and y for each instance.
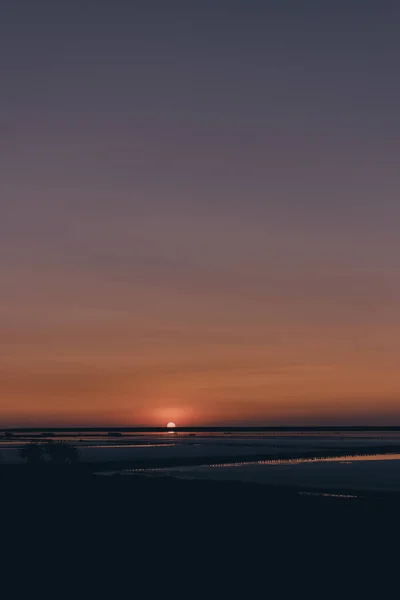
(368, 473)
(263, 457)
(211, 446)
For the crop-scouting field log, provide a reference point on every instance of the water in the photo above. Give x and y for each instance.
(262, 438)
(374, 472)
(259, 456)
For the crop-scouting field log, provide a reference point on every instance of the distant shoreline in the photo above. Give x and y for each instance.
(228, 429)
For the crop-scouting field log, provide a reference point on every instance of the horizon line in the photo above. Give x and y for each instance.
(206, 428)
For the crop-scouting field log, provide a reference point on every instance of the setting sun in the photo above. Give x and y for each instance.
(171, 425)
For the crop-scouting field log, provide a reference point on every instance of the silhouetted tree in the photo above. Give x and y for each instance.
(54, 452)
(61, 452)
(32, 453)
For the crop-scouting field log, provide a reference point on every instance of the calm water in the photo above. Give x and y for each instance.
(264, 457)
(205, 446)
(345, 473)
(228, 435)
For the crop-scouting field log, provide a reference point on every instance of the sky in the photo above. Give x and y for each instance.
(199, 212)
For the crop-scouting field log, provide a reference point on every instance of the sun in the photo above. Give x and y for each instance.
(171, 425)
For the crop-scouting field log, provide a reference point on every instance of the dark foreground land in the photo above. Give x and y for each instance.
(94, 526)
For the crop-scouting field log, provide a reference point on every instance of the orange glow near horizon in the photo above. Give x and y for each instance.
(196, 358)
(203, 374)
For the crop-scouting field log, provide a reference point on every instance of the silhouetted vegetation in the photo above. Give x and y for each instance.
(51, 452)
(61, 452)
(32, 453)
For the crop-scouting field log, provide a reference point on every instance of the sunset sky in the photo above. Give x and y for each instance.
(199, 212)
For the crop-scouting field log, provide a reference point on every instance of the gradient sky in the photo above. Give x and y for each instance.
(200, 212)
